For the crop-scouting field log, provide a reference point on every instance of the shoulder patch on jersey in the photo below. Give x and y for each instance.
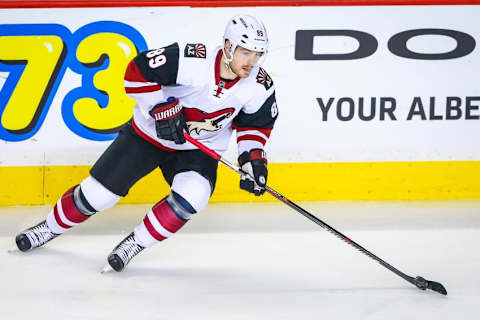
(264, 78)
(195, 50)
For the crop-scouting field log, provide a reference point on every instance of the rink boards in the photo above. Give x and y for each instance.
(296, 181)
(375, 102)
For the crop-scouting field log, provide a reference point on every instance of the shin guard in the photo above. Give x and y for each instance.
(161, 222)
(65, 213)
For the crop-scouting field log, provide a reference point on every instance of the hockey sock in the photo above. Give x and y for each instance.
(163, 220)
(71, 209)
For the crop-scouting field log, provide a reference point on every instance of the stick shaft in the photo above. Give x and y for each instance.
(338, 234)
(302, 211)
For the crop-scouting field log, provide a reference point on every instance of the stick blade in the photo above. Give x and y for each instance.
(437, 287)
(424, 284)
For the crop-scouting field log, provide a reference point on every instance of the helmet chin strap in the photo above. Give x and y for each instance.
(227, 60)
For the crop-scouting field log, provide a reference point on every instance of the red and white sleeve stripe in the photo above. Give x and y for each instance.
(254, 134)
(136, 83)
(251, 138)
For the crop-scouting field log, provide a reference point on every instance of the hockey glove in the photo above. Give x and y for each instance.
(254, 163)
(169, 120)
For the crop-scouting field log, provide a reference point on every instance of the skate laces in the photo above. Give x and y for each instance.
(127, 249)
(39, 235)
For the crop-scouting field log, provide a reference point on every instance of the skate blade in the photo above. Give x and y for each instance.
(13, 250)
(106, 269)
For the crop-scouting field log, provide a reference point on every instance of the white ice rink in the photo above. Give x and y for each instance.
(251, 261)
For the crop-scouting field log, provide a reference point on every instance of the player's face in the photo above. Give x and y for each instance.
(243, 61)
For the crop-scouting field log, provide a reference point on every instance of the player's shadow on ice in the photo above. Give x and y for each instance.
(211, 279)
(227, 280)
(188, 273)
(62, 257)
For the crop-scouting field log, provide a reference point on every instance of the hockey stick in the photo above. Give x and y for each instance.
(418, 281)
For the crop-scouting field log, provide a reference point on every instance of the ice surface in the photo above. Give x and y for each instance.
(251, 261)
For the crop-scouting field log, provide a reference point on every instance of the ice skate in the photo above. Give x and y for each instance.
(34, 237)
(123, 253)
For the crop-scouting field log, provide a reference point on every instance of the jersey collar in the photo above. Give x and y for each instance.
(219, 82)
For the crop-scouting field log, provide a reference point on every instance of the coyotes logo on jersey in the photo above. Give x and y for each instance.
(264, 78)
(198, 120)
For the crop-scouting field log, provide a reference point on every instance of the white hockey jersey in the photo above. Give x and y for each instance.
(212, 106)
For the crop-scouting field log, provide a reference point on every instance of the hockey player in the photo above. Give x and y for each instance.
(209, 92)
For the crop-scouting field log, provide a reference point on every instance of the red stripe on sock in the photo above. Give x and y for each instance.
(70, 210)
(167, 218)
(58, 220)
(152, 230)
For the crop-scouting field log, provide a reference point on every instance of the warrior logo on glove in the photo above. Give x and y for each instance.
(169, 113)
(169, 120)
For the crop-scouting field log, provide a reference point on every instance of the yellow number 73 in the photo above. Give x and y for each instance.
(35, 58)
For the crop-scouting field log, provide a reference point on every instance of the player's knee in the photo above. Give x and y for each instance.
(81, 202)
(193, 188)
(96, 195)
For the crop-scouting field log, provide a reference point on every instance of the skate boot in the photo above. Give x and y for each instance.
(124, 252)
(34, 237)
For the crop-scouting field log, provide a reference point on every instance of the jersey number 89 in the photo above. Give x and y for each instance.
(156, 58)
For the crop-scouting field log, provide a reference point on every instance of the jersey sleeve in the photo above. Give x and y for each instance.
(255, 121)
(148, 72)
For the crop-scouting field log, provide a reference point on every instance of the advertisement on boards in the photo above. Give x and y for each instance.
(353, 83)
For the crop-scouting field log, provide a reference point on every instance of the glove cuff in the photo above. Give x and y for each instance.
(254, 154)
(258, 154)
